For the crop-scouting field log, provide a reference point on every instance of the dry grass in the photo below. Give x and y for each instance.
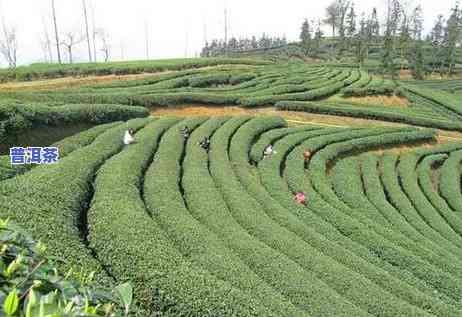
(403, 148)
(294, 118)
(405, 74)
(67, 82)
(200, 110)
(71, 81)
(387, 101)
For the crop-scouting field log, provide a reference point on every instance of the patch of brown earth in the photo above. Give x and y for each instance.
(201, 110)
(387, 101)
(292, 117)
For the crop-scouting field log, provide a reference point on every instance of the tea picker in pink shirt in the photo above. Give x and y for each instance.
(300, 198)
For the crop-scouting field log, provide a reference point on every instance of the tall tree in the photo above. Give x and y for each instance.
(71, 39)
(87, 31)
(55, 23)
(105, 46)
(9, 45)
(305, 36)
(94, 31)
(417, 23)
(436, 39)
(343, 6)
(375, 24)
(388, 58)
(417, 62)
(232, 44)
(46, 42)
(332, 13)
(360, 41)
(394, 14)
(317, 38)
(451, 36)
(351, 24)
(404, 39)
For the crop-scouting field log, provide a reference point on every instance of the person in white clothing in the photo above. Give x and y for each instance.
(268, 151)
(128, 137)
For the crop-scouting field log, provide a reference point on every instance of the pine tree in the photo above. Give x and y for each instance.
(388, 57)
(360, 41)
(351, 24)
(254, 43)
(232, 44)
(317, 38)
(417, 62)
(436, 39)
(417, 23)
(374, 26)
(205, 50)
(343, 6)
(305, 36)
(404, 39)
(451, 36)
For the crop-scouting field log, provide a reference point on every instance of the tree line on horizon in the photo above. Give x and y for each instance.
(218, 47)
(397, 43)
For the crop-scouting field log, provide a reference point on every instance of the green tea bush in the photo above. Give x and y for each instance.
(249, 217)
(120, 223)
(374, 87)
(443, 99)
(238, 150)
(348, 254)
(449, 181)
(32, 286)
(51, 200)
(406, 222)
(42, 71)
(171, 199)
(391, 246)
(65, 146)
(379, 113)
(332, 223)
(447, 224)
(16, 116)
(404, 205)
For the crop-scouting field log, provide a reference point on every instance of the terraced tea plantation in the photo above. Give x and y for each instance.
(287, 86)
(218, 233)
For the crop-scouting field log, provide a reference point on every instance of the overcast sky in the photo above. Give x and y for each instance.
(176, 27)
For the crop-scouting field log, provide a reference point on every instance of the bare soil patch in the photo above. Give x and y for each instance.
(387, 101)
(201, 110)
(293, 118)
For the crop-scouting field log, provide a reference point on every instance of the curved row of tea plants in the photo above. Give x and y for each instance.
(315, 203)
(218, 232)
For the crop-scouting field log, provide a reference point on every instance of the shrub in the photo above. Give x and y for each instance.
(270, 172)
(32, 286)
(51, 200)
(374, 113)
(166, 282)
(16, 117)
